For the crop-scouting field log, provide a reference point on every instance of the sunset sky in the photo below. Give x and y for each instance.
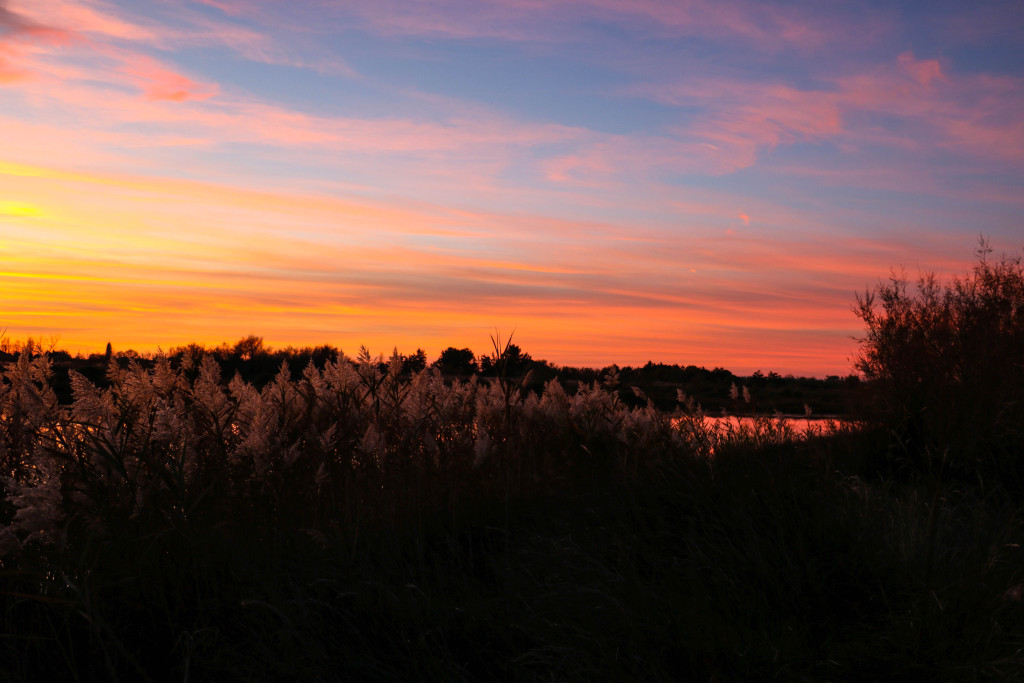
(693, 182)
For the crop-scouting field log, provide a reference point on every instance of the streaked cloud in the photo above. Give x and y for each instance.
(13, 208)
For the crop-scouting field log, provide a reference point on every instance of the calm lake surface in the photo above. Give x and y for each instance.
(800, 425)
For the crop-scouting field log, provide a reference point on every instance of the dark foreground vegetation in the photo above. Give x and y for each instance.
(361, 522)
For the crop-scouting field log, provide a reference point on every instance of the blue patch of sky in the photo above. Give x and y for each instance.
(524, 87)
(983, 59)
(975, 38)
(525, 84)
(876, 209)
(301, 88)
(868, 210)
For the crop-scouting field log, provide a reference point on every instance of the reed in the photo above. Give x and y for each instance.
(355, 522)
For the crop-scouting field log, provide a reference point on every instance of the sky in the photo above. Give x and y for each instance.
(615, 181)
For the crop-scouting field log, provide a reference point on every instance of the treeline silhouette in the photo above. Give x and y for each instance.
(257, 363)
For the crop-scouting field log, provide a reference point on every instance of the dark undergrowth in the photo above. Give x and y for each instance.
(798, 561)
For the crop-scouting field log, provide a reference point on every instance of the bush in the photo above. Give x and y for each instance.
(946, 362)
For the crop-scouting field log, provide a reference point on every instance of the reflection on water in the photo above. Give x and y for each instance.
(780, 425)
(800, 426)
(707, 434)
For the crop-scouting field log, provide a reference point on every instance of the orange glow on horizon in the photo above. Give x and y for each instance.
(138, 278)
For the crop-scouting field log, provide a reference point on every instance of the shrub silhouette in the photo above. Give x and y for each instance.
(453, 361)
(509, 361)
(946, 362)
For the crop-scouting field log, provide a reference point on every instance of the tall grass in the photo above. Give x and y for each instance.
(352, 524)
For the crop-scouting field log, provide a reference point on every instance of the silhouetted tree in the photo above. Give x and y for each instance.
(453, 361)
(323, 353)
(510, 361)
(248, 348)
(417, 362)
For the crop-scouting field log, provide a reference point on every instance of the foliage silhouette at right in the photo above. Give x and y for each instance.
(947, 363)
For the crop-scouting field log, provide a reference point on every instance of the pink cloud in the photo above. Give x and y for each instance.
(10, 74)
(77, 17)
(924, 71)
(10, 70)
(594, 161)
(161, 83)
(96, 85)
(94, 80)
(740, 120)
(977, 115)
(103, 25)
(19, 36)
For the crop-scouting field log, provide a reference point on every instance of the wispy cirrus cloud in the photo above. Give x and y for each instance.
(19, 34)
(105, 23)
(161, 83)
(14, 24)
(976, 116)
(762, 25)
(82, 17)
(736, 121)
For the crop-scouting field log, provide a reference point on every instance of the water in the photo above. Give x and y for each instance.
(800, 426)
